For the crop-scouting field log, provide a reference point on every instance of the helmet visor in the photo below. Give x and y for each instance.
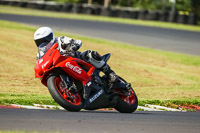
(46, 40)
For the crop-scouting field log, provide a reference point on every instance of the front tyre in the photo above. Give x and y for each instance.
(126, 103)
(71, 101)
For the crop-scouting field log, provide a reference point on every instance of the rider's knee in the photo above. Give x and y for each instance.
(94, 58)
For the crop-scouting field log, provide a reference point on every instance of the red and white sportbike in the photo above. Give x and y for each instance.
(66, 76)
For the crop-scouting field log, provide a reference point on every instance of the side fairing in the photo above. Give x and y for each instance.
(71, 67)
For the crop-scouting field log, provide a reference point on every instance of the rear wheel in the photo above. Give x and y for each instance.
(71, 101)
(127, 101)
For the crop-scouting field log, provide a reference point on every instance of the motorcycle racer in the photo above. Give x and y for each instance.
(45, 39)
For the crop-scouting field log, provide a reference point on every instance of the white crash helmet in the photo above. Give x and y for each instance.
(43, 35)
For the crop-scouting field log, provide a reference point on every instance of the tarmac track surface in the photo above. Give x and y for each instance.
(181, 41)
(99, 121)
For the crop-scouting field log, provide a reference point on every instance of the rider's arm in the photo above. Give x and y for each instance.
(67, 44)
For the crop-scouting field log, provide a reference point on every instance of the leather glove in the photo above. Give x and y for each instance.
(65, 42)
(76, 44)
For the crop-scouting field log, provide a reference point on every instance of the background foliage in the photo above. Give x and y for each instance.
(181, 5)
(185, 5)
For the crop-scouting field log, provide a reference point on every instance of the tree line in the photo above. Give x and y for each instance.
(186, 6)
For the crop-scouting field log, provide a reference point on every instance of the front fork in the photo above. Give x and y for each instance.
(67, 86)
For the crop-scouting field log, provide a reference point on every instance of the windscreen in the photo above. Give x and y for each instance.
(44, 47)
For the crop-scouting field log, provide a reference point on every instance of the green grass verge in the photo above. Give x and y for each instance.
(35, 12)
(26, 99)
(158, 77)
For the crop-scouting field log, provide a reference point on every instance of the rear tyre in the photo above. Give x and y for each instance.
(71, 102)
(127, 103)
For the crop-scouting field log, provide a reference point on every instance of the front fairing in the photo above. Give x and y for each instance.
(46, 61)
(71, 66)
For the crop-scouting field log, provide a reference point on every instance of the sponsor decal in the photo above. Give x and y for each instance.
(96, 96)
(40, 61)
(74, 68)
(89, 83)
(45, 64)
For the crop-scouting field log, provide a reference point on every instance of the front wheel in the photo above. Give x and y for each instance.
(71, 101)
(127, 101)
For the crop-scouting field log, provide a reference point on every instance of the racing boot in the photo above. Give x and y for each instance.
(113, 79)
(112, 76)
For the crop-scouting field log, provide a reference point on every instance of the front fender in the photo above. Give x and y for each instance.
(52, 72)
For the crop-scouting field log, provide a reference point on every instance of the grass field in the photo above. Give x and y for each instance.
(157, 76)
(35, 12)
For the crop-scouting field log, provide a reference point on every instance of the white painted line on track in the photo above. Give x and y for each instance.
(27, 106)
(161, 107)
(49, 106)
(148, 109)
